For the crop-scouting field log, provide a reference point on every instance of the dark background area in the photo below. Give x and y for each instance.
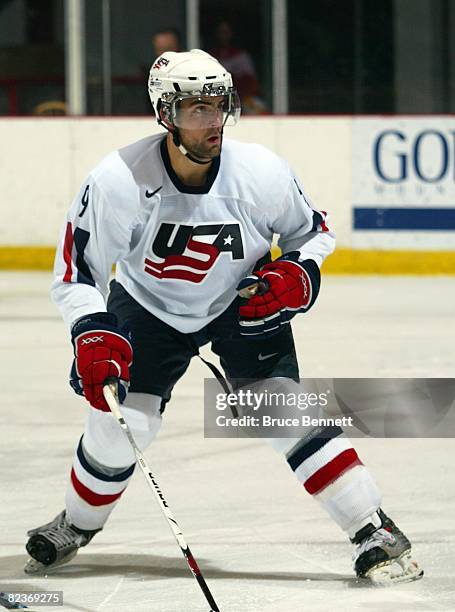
(349, 56)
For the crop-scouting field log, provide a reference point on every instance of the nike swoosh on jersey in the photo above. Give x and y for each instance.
(262, 357)
(150, 194)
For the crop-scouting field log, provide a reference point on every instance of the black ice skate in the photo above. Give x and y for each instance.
(54, 544)
(383, 554)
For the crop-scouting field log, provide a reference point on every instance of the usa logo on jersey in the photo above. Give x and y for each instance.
(189, 252)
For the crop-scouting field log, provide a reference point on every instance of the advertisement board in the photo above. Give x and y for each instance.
(403, 183)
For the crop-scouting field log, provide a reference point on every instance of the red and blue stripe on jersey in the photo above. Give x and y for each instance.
(77, 269)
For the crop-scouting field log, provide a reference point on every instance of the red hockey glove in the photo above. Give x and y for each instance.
(284, 288)
(101, 350)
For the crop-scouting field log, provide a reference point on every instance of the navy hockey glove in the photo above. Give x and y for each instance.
(101, 350)
(279, 291)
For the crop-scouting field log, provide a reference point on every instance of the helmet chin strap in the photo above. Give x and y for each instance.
(178, 143)
(184, 151)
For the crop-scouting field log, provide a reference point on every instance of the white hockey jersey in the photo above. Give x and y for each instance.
(180, 251)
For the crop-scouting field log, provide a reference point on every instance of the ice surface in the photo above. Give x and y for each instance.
(262, 543)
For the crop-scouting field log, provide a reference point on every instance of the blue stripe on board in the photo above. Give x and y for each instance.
(404, 218)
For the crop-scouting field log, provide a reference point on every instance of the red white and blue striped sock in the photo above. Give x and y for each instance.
(330, 470)
(93, 491)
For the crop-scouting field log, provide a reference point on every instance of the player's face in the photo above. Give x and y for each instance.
(201, 121)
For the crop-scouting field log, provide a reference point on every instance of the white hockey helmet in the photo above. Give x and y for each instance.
(175, 77)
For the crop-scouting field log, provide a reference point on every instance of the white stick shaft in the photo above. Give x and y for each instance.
(109, 396)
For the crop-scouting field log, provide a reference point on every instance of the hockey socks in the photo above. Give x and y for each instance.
(104, 461)
(93, 490)
(331, 471)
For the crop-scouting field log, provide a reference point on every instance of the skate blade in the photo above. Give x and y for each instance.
(36, 567)
(399, 570)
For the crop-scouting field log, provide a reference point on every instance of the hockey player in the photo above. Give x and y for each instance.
(186, 216)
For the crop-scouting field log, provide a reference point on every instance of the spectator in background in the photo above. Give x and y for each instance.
(167, 39)
(50, 108)
(240, 64)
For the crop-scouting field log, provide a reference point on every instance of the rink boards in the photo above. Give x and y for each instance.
(388, 182)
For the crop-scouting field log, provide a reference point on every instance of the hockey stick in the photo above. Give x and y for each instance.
(252, 285)
(110, 395)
